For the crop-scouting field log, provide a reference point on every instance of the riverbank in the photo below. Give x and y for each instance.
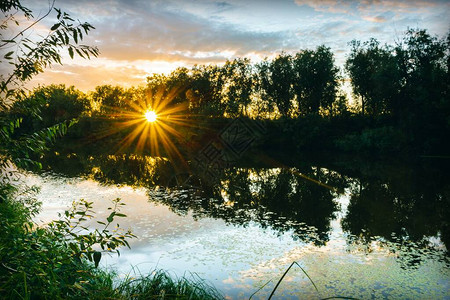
(38, 264)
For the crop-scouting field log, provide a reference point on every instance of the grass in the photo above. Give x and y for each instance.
(159, 284)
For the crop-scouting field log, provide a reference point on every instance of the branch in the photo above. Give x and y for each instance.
(31, 25)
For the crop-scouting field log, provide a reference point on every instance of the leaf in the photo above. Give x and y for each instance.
(54, 27)
(59, 13)
(79, 52)
(111, 217)
(97, 257)
(9, 41)
(61, 37)
(71, 52)
(74, 248)
(8, 55)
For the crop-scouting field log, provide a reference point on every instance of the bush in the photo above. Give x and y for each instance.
(54, 261)
(385, 139)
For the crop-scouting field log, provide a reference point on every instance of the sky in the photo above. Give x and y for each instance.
(137, 38)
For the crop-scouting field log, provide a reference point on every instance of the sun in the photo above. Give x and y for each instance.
(151, 116)
(152, 123)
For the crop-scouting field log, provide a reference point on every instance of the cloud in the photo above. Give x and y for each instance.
(157, 32)
(87, 77)
(138, 37)
(331, 6)
(366, 6)
(375, 19)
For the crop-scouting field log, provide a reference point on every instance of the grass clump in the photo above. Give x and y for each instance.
(158, 284)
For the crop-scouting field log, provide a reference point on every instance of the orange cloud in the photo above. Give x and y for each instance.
(374, 19)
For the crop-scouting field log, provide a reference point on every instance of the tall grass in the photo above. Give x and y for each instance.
(159, 284)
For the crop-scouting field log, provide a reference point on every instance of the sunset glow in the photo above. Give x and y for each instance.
(168, 34)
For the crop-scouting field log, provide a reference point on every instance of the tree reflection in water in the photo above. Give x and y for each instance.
(400, 207)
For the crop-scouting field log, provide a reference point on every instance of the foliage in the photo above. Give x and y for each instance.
(374, 74)
(161, 285)
(70, 233)
(382, 140)
(29, 57)
(276, 83)
(239, 87)
(51, 261)
(59, 261)
(205, 91)
(316, 80)
(23, 149)
(108, 98)
(408, 82)
(49, 105)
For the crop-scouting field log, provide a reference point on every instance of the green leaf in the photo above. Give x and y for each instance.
(111, 217)
(54, 27)
(61, 37)
(8, 55)
(71, 52)
(59, 13)
(79, 53)
(97, 257)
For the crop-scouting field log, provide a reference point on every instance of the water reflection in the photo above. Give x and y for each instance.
(403, 209)
(277, 198)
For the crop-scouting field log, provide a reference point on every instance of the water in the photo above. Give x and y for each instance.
(365, 231)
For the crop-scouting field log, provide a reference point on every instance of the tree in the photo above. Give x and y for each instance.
(275, 80)
(164, 91)
(28, 56)
(424, 101)
(178, 83)
(374, 76)
(316, 80)
(239, 86)
(55, 104)
(108, 98)
(205, 92)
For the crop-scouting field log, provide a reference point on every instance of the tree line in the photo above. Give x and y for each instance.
(401, 90)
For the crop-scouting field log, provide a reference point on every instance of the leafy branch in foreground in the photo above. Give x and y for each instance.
(21, 150)
(52, 261)
(30, 56)
(70, 231)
